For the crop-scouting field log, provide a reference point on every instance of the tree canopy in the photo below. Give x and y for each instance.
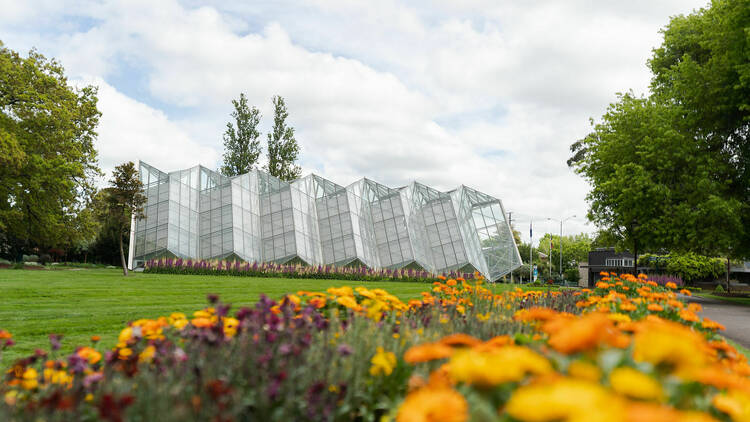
(283, 150)
(47, 155)
(669, 171)
(241, 143)
(125, 201)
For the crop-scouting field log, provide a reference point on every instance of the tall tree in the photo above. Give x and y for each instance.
(126, 199)
(241, 143)
(283, 150)
(672, 171)
(47, 155)
(651, 185)
(703, 65)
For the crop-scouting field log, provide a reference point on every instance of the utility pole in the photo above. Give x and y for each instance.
(531, 248)
(510, 250)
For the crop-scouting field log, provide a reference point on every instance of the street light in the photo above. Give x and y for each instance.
(561, 234)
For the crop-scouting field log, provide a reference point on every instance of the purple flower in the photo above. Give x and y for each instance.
(54, 341)
(93, 378)
(344, 349)
(76, 363)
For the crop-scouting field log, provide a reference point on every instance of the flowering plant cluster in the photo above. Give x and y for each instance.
(327, 272)
(459, 352)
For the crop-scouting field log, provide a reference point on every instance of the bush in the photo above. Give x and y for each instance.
(572, 276)
(30, 258)
(45, 258)
(689, 266)
(719, 289)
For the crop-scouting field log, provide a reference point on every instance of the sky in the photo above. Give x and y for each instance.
(485, 93)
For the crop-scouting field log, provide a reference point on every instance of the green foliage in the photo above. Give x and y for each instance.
(671, 171)
(125, 200)
(576, 249)
(48, 161)
(689, 266)
(241, 143)
(283, 150)
(572, 275)
(719, 289)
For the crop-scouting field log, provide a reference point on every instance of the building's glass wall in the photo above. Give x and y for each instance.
(183, 213)
(198, 213)
(215, 207)
(276, 220)
(152, 231)
(246, 217)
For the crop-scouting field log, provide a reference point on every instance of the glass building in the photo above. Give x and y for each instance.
(198, 213)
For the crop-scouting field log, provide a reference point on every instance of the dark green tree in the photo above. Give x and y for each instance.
(125, 201)
(683, 153)
(703, 65)
(241, 143)
(47, 155)
(652, 186)
(283, 150)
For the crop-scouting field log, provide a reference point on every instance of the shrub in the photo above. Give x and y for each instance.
(45, 258)
(30, 258)
(719, 289)
(572, 275)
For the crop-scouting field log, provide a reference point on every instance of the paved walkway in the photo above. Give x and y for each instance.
(735, 317)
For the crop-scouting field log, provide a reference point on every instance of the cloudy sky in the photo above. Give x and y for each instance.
(486, 93)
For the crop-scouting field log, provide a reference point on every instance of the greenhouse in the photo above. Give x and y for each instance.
(198, 213)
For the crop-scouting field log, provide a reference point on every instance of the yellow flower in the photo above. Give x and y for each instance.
(147, 355)
(30, 381)
(567, 400)
(734, 403)
(10, 397)
(180, 323)
(341, 291)
(348, 302)
(382, 363)
(202, 314)
(669, 343)
(230, 326)
(125, 335)
(635, 384)
(496, 366)
(584, 370)
(433, 405)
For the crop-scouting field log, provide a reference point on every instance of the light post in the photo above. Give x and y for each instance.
(561, 240)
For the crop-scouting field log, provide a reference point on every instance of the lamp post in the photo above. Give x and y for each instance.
(561, 243)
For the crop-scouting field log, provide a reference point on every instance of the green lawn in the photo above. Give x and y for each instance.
(738, 300)
(81, 303)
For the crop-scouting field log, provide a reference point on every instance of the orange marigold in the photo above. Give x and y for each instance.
(433, 405)
(460, 339)
(427, 352)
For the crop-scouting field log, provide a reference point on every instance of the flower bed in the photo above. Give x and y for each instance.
(327, 272)
(627, 350)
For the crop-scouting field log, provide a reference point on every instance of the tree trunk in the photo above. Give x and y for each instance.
(635, 258)
(122, 258)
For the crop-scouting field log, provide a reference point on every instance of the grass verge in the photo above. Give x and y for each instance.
(78, 303)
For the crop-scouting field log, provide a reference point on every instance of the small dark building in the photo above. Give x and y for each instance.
(605, 259)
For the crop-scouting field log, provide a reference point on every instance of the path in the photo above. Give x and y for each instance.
(735, 317)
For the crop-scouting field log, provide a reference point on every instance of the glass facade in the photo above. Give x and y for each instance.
(198, 213)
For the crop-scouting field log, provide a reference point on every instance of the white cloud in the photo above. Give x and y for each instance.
(482, 93)
(130, 130)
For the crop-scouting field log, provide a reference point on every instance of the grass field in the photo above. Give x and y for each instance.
(738, 300)
(81, 303)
